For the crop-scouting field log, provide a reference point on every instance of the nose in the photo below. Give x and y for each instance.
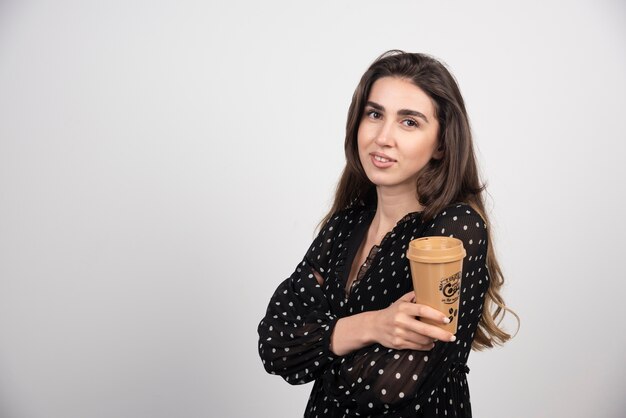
(384, 134)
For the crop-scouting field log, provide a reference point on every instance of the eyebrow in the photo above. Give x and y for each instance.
(403, 112)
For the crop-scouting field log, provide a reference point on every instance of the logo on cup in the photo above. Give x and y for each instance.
(449, 288)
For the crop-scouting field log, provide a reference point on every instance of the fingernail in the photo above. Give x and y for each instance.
(446, 320)
(453, 338)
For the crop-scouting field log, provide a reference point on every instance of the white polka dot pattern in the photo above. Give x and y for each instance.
(374, 381)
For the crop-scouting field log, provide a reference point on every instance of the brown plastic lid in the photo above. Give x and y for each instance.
(436, 250)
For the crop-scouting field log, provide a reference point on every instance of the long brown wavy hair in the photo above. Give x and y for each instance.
(453, 178)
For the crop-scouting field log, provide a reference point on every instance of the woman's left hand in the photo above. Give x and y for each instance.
(318, 277)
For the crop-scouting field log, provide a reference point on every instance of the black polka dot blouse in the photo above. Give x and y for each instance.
(373, 381)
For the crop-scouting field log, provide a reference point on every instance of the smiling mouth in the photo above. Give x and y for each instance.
(381, 159)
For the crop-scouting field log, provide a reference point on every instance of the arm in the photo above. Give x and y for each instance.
(394, 327)
(375, 378)
(295, 331)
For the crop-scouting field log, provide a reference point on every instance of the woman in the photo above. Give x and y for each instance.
(346, 317)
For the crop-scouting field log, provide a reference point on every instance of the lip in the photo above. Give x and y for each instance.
(380, 154)
(380, 164)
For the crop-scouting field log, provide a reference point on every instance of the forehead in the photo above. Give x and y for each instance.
(395, 93)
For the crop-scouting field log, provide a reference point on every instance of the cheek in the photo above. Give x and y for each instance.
(418, 155)
(360, 139)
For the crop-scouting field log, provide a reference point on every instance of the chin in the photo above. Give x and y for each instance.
(378, 182)
(389, 182)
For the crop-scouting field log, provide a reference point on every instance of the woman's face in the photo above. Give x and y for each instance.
(397, 134)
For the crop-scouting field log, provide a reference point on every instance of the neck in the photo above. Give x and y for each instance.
(392, 205)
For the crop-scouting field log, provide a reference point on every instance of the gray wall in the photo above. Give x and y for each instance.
(163, 166)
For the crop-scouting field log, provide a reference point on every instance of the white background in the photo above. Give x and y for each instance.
(163, 166)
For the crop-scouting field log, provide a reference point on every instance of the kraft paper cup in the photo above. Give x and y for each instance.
(436, 269)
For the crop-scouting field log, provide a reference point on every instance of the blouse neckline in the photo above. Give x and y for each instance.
(355, 241)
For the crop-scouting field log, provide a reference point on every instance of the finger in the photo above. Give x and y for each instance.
(420, 347)
(425, 311)
(432, 331)
(420, 328)
(416, 339)
(408, 297)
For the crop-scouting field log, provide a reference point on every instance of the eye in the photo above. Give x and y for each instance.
(372, 113)
(412, 122)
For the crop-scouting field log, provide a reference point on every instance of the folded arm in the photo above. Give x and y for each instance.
(294, 335)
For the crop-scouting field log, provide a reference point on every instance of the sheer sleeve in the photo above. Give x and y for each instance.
(294, 335)
(376, 379)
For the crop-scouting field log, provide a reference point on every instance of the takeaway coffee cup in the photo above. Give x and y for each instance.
(436, 269)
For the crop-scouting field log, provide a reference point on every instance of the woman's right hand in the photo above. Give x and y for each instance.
(397, 326)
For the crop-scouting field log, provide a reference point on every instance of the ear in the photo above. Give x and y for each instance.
(438, 154)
